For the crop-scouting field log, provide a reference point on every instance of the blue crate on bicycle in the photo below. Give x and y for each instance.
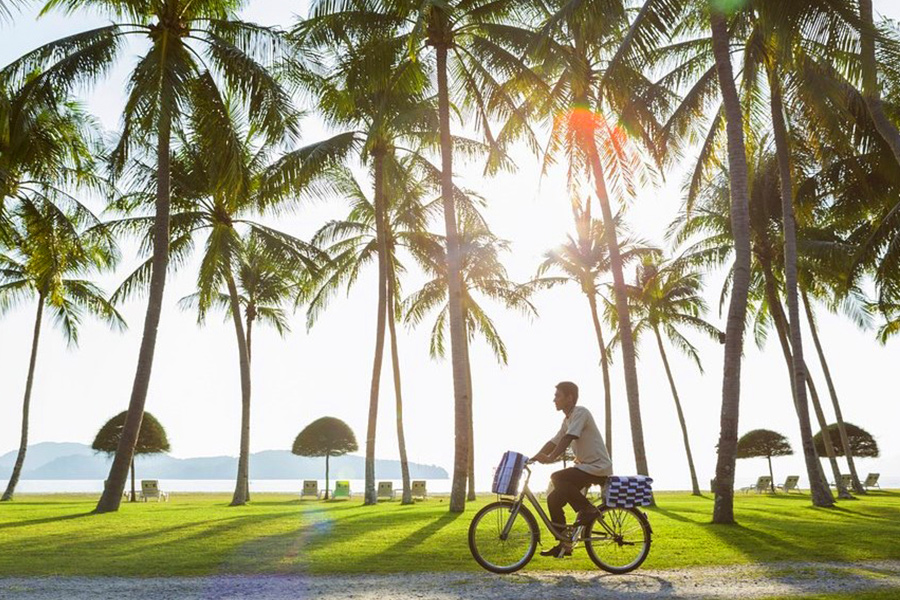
(508, 473)
(628, 491)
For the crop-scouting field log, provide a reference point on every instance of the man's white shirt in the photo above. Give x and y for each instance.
(590, 451)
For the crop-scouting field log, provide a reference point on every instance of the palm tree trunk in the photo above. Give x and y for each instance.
(242, 484)
(371, 496)
(604, 366)
(843, 492)
(723, 510)
(458, 339)
(627, 340)
(133, 487)
(406, 497)
(327, 483)
(781, 328)
(26, 406)
(684, 432)
(842, 430)
(249, 339)
(821, 495)
(118, 471)
(871, 91)
(471, 467)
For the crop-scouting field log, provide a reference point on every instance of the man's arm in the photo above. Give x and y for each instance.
(551, 452)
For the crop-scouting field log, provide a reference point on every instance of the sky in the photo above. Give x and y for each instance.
(195, 389)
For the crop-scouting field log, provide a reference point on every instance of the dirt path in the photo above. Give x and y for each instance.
(749, 581)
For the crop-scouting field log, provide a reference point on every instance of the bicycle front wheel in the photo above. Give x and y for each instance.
(491, 549)
(619, 540)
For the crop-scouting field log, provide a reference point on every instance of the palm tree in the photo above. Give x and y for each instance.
(584, 103)
(871, 87)
(709, 218)
(482, 274)
(49, 149)
(195, 51)
(891, 326)
(842, 431)
(723, 510)
(584, 261)
(475, 42)
(209, 197)
(667, 296)
(361, 237)
(260, 285)
(50, 262)
(375, 91)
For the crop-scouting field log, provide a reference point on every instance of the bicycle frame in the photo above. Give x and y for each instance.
(557, 531)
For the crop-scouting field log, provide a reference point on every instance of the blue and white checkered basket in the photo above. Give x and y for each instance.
(628, 491)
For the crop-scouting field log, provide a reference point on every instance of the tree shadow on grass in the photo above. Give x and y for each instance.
(671, 514)
(14, 524)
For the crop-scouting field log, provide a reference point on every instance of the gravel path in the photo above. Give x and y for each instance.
(744, 581)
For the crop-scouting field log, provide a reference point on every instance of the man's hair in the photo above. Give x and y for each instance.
(568, 388)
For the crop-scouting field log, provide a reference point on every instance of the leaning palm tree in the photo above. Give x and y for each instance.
(484, 275)
(709, 225)
(50, 263)
(218, 194)
(665, 298)
(475, 43)
(584, 261)
(585, 106)
(196, 50)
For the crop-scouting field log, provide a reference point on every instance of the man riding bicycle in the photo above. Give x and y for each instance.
(592, 463)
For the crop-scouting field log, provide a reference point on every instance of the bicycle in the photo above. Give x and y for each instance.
(504, 535)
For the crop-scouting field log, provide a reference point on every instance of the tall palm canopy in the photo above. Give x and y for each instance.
(197, 53)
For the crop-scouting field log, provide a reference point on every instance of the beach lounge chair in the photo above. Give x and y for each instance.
(310, 489)
(791, 483)
(150, 489)
(871, 481)
(341, 490)
(763, 484)
(847, 482)
(386, 491)
(418, 490)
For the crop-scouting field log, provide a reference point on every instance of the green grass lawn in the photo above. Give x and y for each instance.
(277, 533)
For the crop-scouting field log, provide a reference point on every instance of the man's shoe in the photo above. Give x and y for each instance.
(586, 517)
(558, 551)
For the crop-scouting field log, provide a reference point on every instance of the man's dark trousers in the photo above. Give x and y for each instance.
(567, 486)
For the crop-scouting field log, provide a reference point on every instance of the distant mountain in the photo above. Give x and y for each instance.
(51, 460)
(43, 453)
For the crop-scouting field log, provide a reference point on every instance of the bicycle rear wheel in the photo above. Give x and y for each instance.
(503, 555)
(623, 544)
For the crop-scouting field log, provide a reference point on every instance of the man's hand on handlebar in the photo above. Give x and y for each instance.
(539, 458)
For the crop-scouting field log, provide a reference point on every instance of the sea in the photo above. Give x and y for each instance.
(288, 486)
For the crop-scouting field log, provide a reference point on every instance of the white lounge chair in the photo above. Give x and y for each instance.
(763, 484)
(150, 489)
(872, 481)
(419, 490)
(386, 491)
(310, 489)
(791, 483)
